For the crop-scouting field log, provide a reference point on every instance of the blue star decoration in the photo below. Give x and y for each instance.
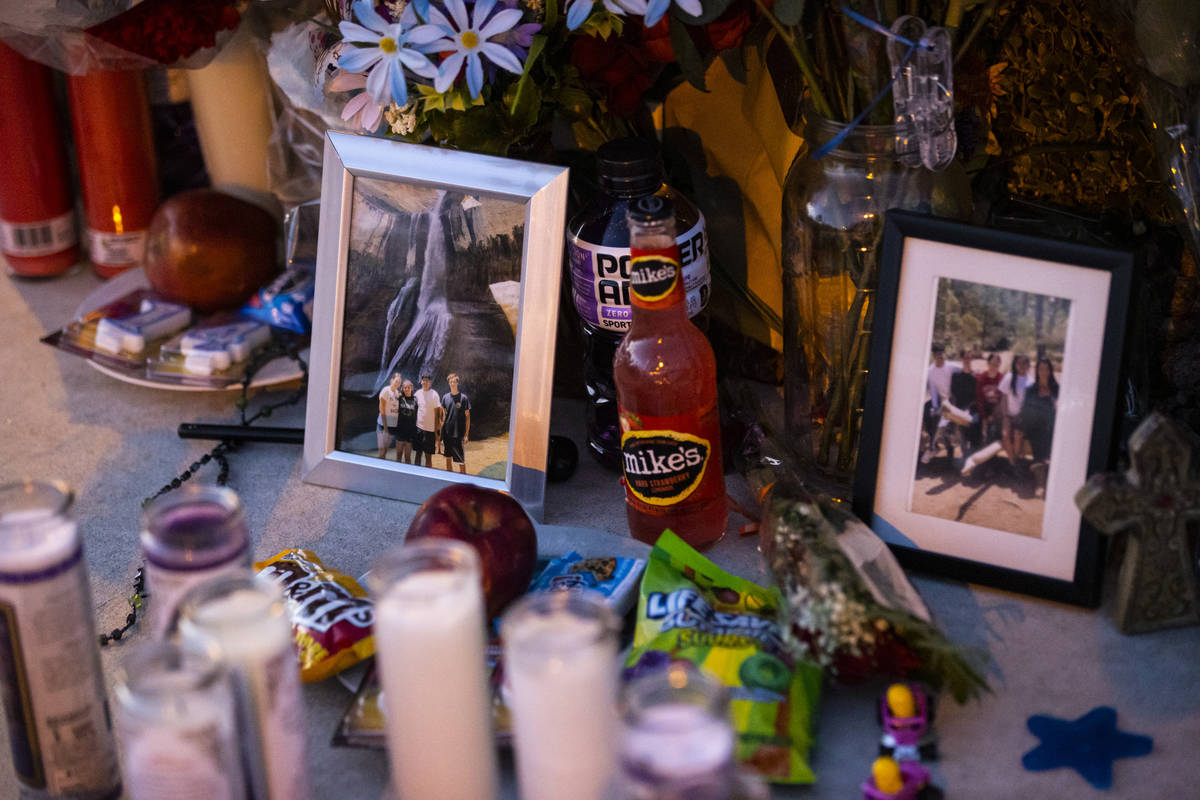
(1089, 745)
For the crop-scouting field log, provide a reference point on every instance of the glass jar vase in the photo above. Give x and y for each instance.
(833, 210)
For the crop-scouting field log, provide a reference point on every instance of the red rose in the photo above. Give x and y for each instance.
(617, 67)
(727, 31)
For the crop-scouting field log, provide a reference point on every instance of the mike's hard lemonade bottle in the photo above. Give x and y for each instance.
(666, 380)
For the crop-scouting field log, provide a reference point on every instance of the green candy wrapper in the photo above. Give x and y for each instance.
(689, 609)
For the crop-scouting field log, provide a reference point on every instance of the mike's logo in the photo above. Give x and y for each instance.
(663, 467)
(652, 277)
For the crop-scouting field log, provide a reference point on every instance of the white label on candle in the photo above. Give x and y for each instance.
(429, 640)
(560, 672)
(678, 741)
(54, 690)
(117, 249)
(41, 238)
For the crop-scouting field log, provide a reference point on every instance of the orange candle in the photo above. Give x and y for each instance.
(37, 210)
(118, 174)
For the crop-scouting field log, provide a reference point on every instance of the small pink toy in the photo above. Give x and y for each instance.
(906, 714)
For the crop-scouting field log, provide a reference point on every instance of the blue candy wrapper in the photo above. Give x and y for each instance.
(285, 302)
(615, 578)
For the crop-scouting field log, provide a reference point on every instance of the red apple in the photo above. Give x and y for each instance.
(210, 250)
(495, 525)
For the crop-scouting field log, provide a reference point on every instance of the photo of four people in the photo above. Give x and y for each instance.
(422, 423)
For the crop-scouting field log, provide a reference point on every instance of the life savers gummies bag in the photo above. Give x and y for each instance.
(689, 609)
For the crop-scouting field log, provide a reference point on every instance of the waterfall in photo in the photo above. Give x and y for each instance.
(425, 340)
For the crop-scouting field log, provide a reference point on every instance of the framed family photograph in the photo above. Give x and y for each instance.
(991, 397)
(434, 318)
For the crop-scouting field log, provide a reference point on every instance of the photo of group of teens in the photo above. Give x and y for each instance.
(990, 390)
(422, 422)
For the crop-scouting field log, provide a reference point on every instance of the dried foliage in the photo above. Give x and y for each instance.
(1065, 115)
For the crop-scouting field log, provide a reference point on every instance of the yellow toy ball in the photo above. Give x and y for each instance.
(900, 700)
(886, 773)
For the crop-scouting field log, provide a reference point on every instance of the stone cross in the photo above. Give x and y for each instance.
(1157, 498)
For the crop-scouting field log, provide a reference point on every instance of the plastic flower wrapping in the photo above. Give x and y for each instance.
(848, 605)
(79, 36)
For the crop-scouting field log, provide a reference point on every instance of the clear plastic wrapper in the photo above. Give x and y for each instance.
(923, 93)
(124, 333)
(79, 36)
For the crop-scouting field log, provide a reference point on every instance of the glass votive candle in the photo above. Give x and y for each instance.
(177, 727)
(242, 621)
(677, 742)
(560, 680)
(429, 648)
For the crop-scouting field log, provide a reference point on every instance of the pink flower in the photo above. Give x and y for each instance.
(359, 110)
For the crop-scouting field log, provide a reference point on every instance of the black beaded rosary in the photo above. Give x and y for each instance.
(280, 345)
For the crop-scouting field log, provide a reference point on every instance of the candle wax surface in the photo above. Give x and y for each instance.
(35, 540)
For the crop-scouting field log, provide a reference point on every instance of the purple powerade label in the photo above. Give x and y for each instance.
(600, 278)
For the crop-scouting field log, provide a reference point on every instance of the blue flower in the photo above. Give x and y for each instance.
(392, 47)
(468, 40)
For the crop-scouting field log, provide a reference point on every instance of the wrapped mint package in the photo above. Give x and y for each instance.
(615, 578)
(689, 609)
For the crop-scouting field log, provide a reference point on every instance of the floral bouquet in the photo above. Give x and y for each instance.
(493, 76)
(847, 605)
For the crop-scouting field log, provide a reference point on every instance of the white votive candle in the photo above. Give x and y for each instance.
(242, 622)
(429, 644)
(560, 673)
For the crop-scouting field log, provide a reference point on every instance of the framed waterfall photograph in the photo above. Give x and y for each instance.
(434, 320)
(992, 396)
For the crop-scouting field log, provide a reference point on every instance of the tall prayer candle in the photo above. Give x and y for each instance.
(429, 643)
(231, 103)
(37, 208)
(175, 717)
(190, 536)
(50, 678)
(242, 620)
(560, 676)
(118, 173)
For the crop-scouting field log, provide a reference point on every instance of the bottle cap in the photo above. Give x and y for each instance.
(629, 166)
(650, 208)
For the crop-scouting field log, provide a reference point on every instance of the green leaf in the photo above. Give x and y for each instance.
(525, 86)
(789, 12)
(690, 62)
(735, 62)
(551, 16)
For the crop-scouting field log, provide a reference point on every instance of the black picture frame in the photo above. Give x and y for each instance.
(919, 254)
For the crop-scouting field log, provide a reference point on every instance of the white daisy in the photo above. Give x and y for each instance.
(394, 46)
(467, 38)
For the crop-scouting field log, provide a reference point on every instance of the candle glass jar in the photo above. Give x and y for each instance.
(176, 724)
(50, 678)
(243, 621)
(560, 686)
(429, 644)
(677, 742)
(189, 536)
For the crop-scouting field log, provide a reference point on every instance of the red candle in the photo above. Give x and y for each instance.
(118, 174)
(37, 217)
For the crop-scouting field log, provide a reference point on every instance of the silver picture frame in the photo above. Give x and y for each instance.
(395, 236)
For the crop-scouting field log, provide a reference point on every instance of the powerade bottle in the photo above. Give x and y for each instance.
(598, 258)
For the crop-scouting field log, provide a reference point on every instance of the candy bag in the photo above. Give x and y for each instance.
(691, 610)
(331, 614)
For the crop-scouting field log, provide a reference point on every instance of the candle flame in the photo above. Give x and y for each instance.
(118, 222)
